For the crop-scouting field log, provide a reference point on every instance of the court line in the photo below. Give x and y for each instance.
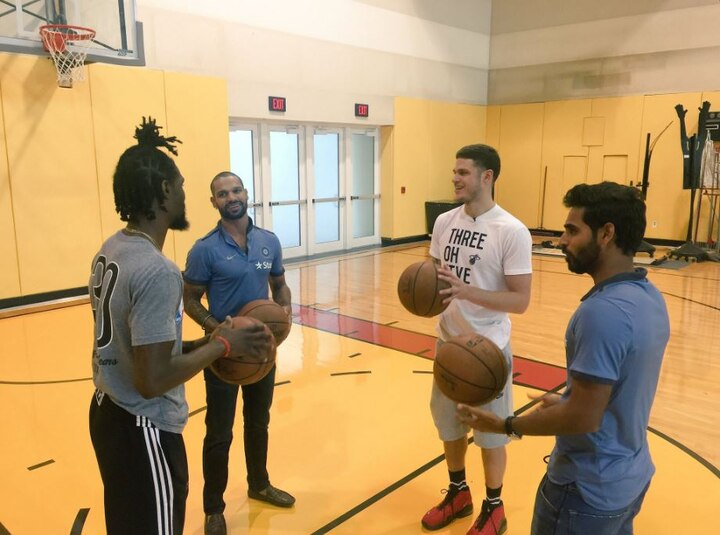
(691, 453)
(403, 481)
(60, 381)
(79, 523)
(40, 465)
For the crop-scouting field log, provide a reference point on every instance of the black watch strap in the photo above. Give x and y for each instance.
(509, 431)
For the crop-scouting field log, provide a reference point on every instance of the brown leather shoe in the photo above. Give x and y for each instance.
(272, 496)
(215, 524)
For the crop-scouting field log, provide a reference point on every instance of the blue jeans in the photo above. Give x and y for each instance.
(219, 419)
(560, 510)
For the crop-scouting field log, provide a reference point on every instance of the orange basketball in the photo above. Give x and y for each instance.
(470, 369)
(244, 370)
(271, 314)
(418, 289)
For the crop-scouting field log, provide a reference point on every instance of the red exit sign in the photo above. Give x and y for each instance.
(277, 104)
(362, 110)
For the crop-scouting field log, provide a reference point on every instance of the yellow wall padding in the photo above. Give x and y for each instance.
(51, 161)
(197, 113)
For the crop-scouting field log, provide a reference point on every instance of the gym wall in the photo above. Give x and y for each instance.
(59, 153)
(418, 154)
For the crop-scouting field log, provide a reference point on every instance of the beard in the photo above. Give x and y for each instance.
(180, 222)
(585, 260)
(226, 213)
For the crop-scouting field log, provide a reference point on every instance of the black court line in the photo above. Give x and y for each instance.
(687, 450)
(354, 355)
(391, 488)
(691, 300)
(40, 465)
(423, 371)
(45, 382)
(280, 383)
(197, 411)
(347, 333)
(79, 523)
(350, 373)
(421, 353)
(377, 497)
(4, 530)
(390, 323)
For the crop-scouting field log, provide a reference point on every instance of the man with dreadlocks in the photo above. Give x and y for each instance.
(138, 410)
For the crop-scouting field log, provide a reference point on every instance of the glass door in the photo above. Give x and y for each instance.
(363, 167)
(284, 187)
(326, 211)
(244, 162)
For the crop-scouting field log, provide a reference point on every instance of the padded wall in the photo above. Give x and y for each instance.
(51, 161)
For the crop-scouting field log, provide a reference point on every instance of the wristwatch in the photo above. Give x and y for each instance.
(509, 428)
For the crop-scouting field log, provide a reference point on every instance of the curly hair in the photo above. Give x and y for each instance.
(141, 170)
(609, 202)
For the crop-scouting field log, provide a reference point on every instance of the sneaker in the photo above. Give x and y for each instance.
(490, 522)
(215, 524)
(455, 505)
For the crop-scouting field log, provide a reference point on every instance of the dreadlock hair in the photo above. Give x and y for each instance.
(608, 202)
(141, 170)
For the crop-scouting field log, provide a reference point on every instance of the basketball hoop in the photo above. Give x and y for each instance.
(68, 46)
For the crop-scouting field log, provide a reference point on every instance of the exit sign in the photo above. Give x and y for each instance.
(277, 104)
(362, 110)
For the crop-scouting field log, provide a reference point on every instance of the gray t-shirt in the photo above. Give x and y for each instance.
(136, 297)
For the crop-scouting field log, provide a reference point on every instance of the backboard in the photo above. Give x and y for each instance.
(118, 35)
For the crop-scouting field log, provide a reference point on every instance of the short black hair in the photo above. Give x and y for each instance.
(222, 174)
(483, 156)
(608, 202)
(141, 170)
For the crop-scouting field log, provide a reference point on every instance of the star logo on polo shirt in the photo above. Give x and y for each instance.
(258, 265)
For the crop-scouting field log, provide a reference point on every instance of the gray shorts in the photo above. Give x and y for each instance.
(450, 428)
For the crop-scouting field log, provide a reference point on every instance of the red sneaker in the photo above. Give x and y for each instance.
(455, 505)
(490, 521)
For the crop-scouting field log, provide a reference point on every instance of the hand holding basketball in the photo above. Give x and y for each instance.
(247, 337)
(252, 351)
(453, 286)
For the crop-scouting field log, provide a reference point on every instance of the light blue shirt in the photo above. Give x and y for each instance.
(617, 336)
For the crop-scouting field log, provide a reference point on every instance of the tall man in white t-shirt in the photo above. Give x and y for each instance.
(486, 256)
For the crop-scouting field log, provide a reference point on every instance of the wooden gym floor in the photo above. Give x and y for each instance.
(351, 435)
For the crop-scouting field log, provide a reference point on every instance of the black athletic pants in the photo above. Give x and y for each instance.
(144, 471)
(219, 420)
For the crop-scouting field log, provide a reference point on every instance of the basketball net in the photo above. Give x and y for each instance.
(68, 46)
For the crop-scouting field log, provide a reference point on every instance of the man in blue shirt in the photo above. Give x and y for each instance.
(233, 264)
(600, 468)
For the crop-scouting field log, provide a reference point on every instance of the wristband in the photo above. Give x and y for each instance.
(224, 342)
(202, 324)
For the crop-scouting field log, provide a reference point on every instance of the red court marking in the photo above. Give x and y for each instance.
(526, 372)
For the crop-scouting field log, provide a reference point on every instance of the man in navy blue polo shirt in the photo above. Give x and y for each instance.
(233, 264)
(600, 468)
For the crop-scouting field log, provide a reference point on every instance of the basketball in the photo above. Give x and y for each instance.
(470, 369)
(418, 289)
(244, 370)
(271, 314)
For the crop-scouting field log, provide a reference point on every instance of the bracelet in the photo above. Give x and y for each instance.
(202, 324)
(224, 342)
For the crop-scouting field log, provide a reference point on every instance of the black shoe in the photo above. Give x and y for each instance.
(215, 524)
(273, 496)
